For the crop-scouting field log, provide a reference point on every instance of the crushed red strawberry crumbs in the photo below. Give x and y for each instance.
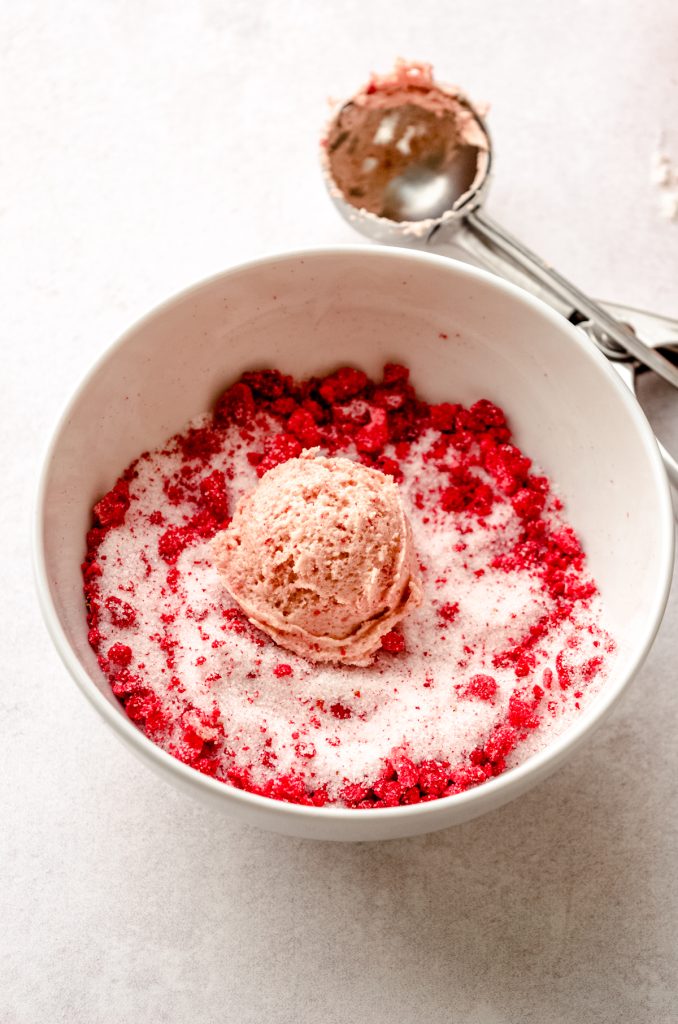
(507, 647)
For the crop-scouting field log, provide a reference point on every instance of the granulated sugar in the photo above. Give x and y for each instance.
(504, 651)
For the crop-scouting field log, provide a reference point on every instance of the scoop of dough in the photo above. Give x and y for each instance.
(320, 556)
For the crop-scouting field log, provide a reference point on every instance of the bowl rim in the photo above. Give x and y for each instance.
(495, 790)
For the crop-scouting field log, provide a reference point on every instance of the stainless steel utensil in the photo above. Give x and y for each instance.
(433, 203)
(660, 332)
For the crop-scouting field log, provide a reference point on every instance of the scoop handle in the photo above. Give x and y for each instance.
(507, 254)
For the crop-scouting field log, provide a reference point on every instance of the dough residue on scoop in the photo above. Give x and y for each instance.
(395, 121)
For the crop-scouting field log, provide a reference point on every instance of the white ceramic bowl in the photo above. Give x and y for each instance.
(308, 313)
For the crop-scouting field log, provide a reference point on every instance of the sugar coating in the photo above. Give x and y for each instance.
(503, 652)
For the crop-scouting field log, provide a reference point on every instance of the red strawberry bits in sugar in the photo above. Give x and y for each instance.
(505, 648)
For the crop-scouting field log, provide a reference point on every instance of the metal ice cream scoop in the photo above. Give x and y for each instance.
(432, 198)
(660, 332)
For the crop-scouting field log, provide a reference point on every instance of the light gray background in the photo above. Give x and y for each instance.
(144, 145)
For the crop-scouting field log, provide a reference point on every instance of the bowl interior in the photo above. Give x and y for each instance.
(464, 335)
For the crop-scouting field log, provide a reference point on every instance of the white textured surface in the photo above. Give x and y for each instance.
(147, 145)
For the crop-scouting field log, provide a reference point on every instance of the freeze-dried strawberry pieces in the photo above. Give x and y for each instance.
(120, 654)
(433, 777)
(302, 426)
(213, 495)
(406, 772)
(501, 743)
(123, 682)
(394, 373)
(344, 383)
(269, 384)
(110, 510)
(448, 612)
(393, 642)
(444, 417)
(508, 466)
(278, 449)
(353, 794)
(200, 728)
(389, 467)
(173, 541)
(340, 711)
(374, 435)
(121, 612)
(351, 415)
(289, 788)
(236, 405)
(528, 504)
(467, 493)
(199, 443)
(482, 687)
(481, 417)
(522, 711)
(146, 709)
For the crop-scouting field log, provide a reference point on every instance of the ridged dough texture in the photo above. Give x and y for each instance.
(320, 557)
